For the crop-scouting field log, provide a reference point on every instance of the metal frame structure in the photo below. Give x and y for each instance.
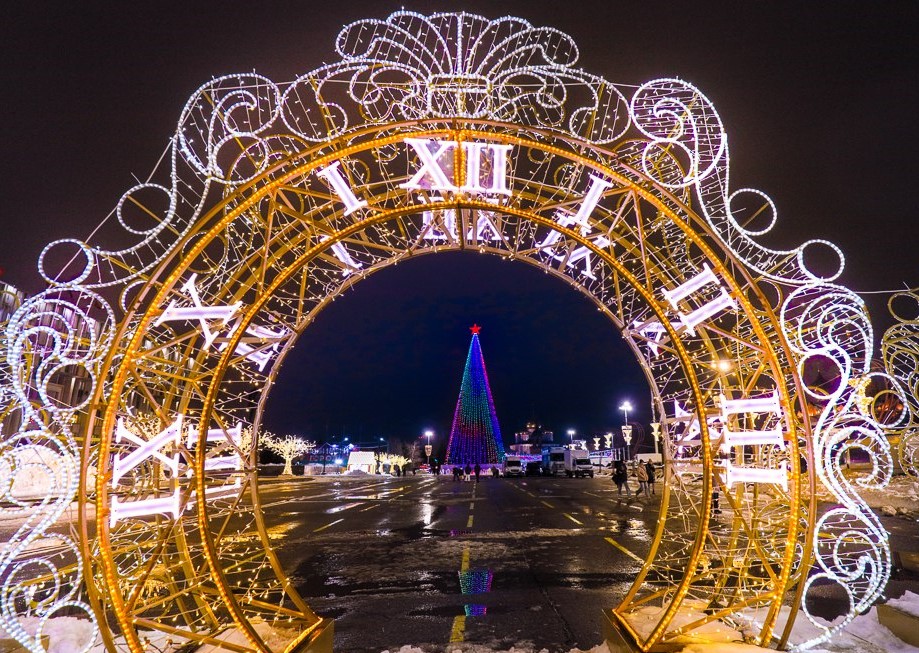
(442, 133)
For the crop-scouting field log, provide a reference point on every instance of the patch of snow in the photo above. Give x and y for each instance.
(909, 602)
(65, 634)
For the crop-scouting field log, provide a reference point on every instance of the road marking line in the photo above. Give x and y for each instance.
(547, 504)
(464, 565)
(347, 506)
(376, 505)
(623, 549)
(573, 519)
(471, 506)
(322, 528)
(469, 522)
(457, 633)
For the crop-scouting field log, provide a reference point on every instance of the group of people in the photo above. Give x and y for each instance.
(643, 473)
(461, 473)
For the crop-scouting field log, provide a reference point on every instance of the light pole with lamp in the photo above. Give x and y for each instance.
(570, 438)
(427, 447)
(626, 429)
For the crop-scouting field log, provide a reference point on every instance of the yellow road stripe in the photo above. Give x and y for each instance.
(573, 519)
(469, 522)
(376, 505)
(622, 548)
(322, 528)
(464, 565)
(457, 633)
(547, 504)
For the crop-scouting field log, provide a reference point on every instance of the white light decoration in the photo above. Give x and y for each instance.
(459, 133)
(896, 405)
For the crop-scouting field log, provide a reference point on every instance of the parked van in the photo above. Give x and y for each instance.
(512, 466)
(553, 460)
(577, 463)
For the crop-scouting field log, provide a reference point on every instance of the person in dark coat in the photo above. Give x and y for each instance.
(649, 466)
(477, 470)
(621, 477)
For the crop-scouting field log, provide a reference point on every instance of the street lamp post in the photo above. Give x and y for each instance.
(427, 447)
(570, 438)
(625, 408)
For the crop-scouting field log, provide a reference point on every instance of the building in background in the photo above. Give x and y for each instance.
(529, 442)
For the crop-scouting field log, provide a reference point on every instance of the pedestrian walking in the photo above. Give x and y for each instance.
(649, 466)
(478, 470)
(467, 472)
(494, 472)
(457, 472)
(621, 477)
(642, 474)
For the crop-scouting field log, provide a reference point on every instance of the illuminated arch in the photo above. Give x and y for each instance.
(436, 133)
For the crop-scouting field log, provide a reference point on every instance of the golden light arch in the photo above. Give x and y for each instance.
(276, 202)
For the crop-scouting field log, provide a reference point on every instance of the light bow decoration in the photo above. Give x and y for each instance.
(438, 133)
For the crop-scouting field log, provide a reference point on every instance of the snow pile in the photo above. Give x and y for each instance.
(478, 648)
(276, 639)
(909, 603)
(35, 473)
(900, 498)
(646, 618)
(65, 634)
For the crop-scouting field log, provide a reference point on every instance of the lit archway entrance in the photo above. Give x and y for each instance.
(443, 133)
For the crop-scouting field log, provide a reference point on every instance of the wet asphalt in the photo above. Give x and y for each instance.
(527, 562)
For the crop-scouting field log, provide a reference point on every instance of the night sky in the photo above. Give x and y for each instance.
(819, 101)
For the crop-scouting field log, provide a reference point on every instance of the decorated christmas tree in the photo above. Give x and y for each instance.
(475, 436)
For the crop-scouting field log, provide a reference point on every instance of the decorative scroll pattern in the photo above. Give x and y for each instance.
(900, 350)
(829, 329)
(260, 221)
(49, 333)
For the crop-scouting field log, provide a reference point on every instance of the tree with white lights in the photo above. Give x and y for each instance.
(288, 447)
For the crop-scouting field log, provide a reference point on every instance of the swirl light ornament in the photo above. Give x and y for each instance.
(439, 133)
(900, 398)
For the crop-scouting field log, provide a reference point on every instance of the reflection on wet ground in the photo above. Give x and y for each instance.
(475, 581)
(439, 562)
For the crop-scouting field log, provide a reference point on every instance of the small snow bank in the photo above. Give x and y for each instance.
(480, 648)
(65, 634)
(276, 638)
(909, 603)
(721, 647)
(36, 472)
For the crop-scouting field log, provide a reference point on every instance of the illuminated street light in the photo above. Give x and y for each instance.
(570, 437)
(625, 408)
(427, 447)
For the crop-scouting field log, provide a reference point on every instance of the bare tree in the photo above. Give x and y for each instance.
(288, 447)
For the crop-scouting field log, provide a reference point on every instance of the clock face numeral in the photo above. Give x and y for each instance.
(199, 312)
(146, 449)
(705, 310)
(765, 406)
(339, 185)
(436, 170)
(441, 226)
(263, 346)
